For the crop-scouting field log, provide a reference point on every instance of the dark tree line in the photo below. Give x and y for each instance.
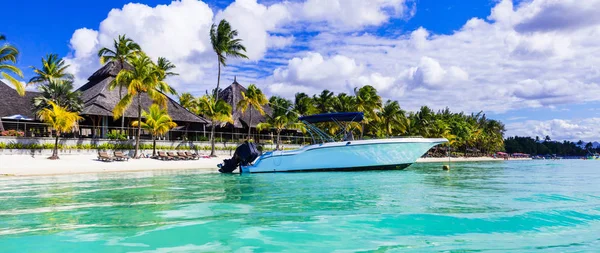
(536, 146)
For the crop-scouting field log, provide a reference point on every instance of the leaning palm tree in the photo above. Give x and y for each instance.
(282, 118)
(157, 122)
(225, 44)
(252, 98)
(143, 77)
(8, 59)
(124, 49)
(53, 69)
(217, 111)
(61, 119)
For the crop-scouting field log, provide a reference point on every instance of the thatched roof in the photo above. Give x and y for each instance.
(232, 95)
(99, 100)
(12, 104)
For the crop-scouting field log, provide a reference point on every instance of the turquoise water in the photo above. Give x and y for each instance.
(545, 206)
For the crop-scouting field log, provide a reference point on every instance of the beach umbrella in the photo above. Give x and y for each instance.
(18, 117)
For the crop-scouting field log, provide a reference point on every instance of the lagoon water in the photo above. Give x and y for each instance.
(530, 206)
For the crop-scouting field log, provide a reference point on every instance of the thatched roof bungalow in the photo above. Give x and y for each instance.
(99, 102)
(232, 95)
(12, 104)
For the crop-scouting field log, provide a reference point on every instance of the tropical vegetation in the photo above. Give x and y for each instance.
(225, 44)
(252, 98)
(61, 93)
(283, 117)
(537, 146)
(217, 111)
(157, 122)
(124, 49)
(144, 77)
(54, 69)
(61, 119)
(8, 59)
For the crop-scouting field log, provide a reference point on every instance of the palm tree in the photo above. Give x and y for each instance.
(157, 122)
(368, 102)
(252, 98)
(344, 103)
(124, 49)
(225, 44)
(187, 101)
(53, 69)
(60, 93)
(283, 118)
(217, 111)
(324, 102)
(8, 57)
(392, 119)
(61, 119)
(143, 77)
(303, 104)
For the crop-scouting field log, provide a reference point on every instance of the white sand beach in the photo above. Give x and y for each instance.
(24, 165)
(467, 159)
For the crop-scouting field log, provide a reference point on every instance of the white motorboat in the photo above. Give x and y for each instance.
(331, 155)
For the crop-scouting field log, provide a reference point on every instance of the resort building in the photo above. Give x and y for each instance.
(99, 102)
(241, 120)
(17, 113)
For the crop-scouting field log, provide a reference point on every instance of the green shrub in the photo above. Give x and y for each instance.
(116, 135)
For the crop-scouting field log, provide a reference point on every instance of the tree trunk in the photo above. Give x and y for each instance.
(218, 79)
(250, 124)
(121, 97)
(55, 151)
(278, 139)
(139, 130)
(212, 139)
(153, 145)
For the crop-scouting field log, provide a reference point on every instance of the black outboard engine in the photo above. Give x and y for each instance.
(244, 155)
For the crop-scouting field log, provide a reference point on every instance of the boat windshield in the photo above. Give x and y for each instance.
(337, 118)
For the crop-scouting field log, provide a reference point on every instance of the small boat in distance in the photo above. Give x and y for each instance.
(331, 155)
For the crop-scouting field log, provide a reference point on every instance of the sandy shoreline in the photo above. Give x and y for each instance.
(467, 159)
(24, 165)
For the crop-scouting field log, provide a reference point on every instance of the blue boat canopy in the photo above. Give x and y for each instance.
(329, 117)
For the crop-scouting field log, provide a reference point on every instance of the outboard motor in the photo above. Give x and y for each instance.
(243, 155)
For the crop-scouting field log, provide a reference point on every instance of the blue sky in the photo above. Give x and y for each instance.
(510, 59)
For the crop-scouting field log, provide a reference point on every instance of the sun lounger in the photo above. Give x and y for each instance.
(119, 156)
(174, 156)
(163, 156)
(103, 156)
(192, 155)
(184, 155)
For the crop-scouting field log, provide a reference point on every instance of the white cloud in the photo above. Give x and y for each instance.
(178, 31)
(516, 58)
(253, 21)
(353, 14)
(317, 71)
(430, 74)
(557, 129)
(279, 42)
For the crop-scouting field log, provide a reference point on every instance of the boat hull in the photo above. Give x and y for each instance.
(387, 154)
